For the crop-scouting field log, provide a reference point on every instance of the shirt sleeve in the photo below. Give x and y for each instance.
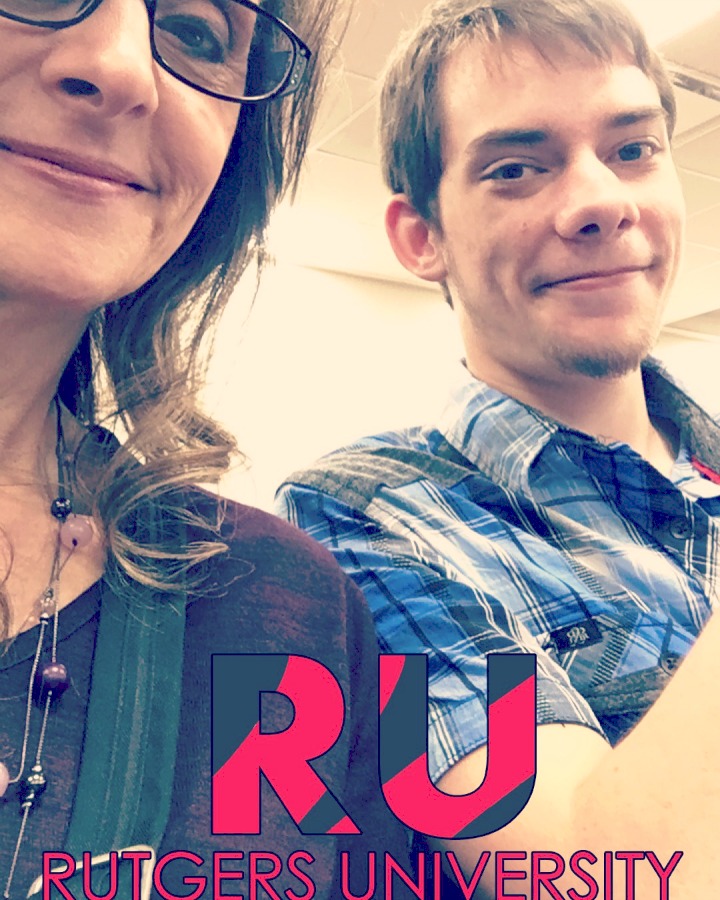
(424, 602)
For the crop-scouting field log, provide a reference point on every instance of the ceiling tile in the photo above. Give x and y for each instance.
(703, 228)
(701, 192)
(374, 32)
(697, 256)
(693, 110)
(345, 97)
(708, 323)
(694, 293)
(358, 139)
(663, 20)
(698, 48)
(344, 187)
(702, 154)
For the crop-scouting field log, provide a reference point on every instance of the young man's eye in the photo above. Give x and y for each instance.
(514, 171)
(635, 151)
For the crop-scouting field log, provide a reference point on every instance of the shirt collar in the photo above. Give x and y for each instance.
(504, 437)
(494, 432)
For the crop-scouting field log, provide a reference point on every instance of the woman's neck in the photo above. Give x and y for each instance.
(34, 349)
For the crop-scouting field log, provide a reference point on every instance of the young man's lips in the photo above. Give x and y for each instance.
(591, 278)
(92, 167)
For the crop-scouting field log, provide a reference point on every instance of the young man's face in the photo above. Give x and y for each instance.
(560, 211)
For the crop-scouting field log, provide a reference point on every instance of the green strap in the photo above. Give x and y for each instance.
(128, 756)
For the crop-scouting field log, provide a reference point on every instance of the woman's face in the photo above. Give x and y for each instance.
(106, 160)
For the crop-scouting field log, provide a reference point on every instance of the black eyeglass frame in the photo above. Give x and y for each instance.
(289, 84)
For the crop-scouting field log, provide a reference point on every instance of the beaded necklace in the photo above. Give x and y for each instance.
(47, 681)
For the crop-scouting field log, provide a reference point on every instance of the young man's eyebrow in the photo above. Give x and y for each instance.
(508, 137)
(532, 137)
(635, 116)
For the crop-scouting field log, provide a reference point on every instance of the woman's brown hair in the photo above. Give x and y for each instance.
(141, 360)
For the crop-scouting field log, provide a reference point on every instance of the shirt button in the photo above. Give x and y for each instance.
(680, 529)
(670, 662)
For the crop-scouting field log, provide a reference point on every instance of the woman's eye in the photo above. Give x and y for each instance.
(195, 36)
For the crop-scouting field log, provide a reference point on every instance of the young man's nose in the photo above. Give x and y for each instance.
(596, 203)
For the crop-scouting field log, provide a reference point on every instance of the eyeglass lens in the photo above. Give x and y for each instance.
(218, 45)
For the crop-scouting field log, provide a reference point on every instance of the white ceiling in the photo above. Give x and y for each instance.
(336, 222)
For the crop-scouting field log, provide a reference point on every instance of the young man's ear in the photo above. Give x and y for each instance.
(416, 243)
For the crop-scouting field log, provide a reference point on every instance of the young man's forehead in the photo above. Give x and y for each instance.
(495, 56)
(495, 85)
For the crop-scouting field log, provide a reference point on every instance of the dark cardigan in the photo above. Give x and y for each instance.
(276, 591)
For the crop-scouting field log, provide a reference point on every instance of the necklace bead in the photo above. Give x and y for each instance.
(75, 531)
(32, 787)
(53, 679)
(47, 601)
(47, 681)
(61, 508)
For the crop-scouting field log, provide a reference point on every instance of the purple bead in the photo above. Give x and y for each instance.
(76, 531)
(54, 678)
(51, 680)
(61, 508)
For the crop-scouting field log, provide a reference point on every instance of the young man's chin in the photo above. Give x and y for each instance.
(613, 363)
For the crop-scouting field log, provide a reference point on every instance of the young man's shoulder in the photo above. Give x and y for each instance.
(357, 471)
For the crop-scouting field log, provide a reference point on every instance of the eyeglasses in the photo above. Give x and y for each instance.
(231, 49)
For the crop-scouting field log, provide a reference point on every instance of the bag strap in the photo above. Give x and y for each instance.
(127, 762)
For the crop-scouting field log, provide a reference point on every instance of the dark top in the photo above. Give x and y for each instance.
(276, 591)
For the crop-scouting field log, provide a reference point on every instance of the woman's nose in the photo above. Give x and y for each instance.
(104, 64)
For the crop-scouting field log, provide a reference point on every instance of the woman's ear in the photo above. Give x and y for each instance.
(417, 243)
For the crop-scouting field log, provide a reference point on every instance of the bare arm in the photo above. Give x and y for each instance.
(658, 790)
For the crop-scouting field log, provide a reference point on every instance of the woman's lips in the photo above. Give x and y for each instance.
(78, 168)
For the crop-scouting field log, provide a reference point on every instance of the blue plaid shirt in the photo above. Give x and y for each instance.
(502, 530)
